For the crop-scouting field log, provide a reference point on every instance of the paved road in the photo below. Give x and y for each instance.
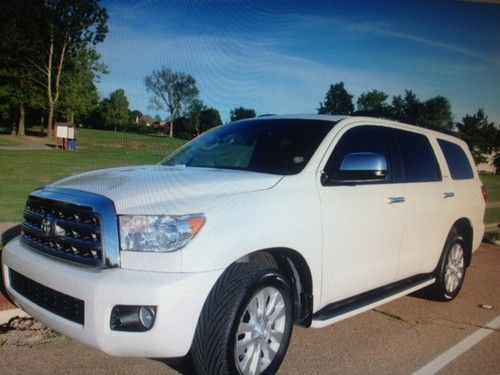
(397, 338)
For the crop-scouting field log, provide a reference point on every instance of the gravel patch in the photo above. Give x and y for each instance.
(26, 332)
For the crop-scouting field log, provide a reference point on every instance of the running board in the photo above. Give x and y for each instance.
(348, 307)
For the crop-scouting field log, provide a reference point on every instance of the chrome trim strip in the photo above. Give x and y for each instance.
(393, 200)
(102, 206)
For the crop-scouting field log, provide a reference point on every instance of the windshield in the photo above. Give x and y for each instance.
(276, 146)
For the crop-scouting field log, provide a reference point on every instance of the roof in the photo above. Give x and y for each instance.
(374, 120)
(304, 116)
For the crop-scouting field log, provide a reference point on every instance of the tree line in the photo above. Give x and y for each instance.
(49, 68)
(47, 57)
(482, 135)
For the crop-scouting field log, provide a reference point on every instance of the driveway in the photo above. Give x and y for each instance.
(400, 337)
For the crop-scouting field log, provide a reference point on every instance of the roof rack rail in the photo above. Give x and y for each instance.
(387, 116)
(440, 130)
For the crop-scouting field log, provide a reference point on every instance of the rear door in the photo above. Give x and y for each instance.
(463, 193)
(426, 226)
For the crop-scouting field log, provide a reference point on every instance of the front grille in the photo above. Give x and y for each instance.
(63, 230)
(56, 302)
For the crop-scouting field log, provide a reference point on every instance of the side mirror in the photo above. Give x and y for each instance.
(362, 167)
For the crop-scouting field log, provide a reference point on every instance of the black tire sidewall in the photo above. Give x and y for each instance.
(261, 280)
(443, 294)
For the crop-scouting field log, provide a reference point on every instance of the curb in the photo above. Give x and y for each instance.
(492, 227)
(7, 315)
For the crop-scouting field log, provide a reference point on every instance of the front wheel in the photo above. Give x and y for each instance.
(246, 323)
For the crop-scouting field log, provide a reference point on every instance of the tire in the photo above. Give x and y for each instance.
(233, 328)
(450, 272)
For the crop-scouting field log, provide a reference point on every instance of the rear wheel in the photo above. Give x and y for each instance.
(451, 270)
(246, 323)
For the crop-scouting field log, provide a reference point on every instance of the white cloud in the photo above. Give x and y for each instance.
(379, 28)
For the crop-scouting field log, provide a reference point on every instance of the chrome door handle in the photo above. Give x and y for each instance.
(448, 194)
(392, 200)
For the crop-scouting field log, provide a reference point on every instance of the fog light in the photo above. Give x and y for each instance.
(146, 316)
(132, 318)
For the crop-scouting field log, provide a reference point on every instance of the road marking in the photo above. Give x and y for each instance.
(454, 352)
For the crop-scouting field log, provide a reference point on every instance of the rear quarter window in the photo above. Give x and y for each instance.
(457, 160)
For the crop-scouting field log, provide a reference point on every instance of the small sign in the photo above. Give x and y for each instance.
(62, 131)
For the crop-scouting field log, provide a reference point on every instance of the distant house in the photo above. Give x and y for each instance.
(488, 167)
(144, 121)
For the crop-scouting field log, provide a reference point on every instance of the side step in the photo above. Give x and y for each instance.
(348, 307)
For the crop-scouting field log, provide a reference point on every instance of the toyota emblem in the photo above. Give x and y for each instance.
(46, 226)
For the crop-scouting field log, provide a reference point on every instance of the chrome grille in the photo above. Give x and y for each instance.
(63, 230)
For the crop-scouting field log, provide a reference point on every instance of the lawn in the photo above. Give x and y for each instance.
(7, 140)
(22, 171)
(492, 185)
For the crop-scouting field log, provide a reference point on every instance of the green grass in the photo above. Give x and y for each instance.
(492, 215)
(22, 171)
(492, 185)
(7, 140)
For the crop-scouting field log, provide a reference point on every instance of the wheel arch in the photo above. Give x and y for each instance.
(464, 228)
(296, 270)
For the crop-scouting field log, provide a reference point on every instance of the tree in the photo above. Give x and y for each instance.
(200, 118)
(480, 135)
(373, 101)
(435, 112)
(408, 109)
(438, 113)
(241, 113)
(115, 111)
(18, 77)
(193, 113)
(209, 118)
(337, 101)
(79, 95)
(172, 92)
(65, 26)
(398, 108)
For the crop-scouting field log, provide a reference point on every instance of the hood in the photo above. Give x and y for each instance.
(156, 188)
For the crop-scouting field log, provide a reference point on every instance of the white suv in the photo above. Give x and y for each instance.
(213, 255)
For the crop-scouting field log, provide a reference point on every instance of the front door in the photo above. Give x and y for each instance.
(363, 219)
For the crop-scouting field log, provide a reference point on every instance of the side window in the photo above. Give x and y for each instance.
(359, 142)
(457, 161)
(417, 157)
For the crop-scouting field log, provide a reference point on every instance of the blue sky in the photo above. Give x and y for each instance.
(281, 56)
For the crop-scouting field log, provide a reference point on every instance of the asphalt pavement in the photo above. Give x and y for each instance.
(400, 337)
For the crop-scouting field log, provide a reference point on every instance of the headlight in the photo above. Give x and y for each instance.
(158, 233)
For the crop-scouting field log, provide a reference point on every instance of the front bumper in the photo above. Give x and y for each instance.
(179, 298)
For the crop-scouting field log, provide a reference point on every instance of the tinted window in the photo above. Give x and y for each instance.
(362, 139)
(417, 157)
(457, 161)
(276, 146)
